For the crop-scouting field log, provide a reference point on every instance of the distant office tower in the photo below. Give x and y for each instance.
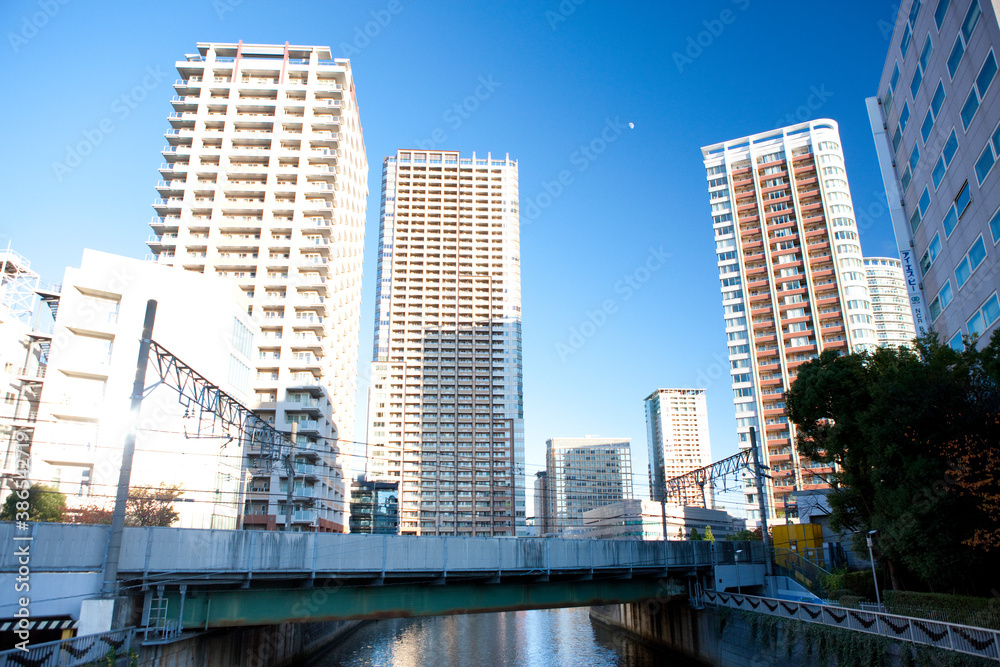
(793, 281)
(584, 473)
(936, 123)
(890, 301)
(677, 437)
(87, 375)
(374, 507)
(541, 502)
(265, 182)
(445, 411)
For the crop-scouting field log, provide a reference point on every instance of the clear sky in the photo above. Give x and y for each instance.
(625, 242)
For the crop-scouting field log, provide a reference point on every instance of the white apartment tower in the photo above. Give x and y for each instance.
(677, 436)
(446, 418)
(792, 278)
(890, 301)
(265, 182)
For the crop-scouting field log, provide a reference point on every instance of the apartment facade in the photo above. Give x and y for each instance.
(792, 280)
(445, 416)
(584, 473)
(890, 301)
(85, 389)
(936, 123)
(265, 183)
(643, 520)
(678, 441)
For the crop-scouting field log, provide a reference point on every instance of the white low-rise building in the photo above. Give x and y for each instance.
(643, 520)
(83, 415)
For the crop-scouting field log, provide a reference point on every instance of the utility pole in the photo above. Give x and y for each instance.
(290, 467)
(762, 506)
(663, 512)
(109, 588)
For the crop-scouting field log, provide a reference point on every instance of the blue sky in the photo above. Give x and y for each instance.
(624, 242)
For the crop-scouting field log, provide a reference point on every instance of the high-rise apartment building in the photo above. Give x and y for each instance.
(584, 473)
(792, 278)
(936, 122)
(445, 412)
(677, 437)
(890, 301)
(265, 182)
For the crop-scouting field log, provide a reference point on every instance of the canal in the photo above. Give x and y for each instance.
(542, 638)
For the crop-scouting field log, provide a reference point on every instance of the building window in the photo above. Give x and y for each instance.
(893, 81)
(911, 165)
(932, 112)
(958, 208)
(968, 25)
(932, 252)
(918, 75)
(985, 316)
(918, 213)
(989, 156)
(956, 343)
(904, 118)
(944, 161)
(942, 9)
(972, 261)
(995, 227)
(941, 301)
(986, 75)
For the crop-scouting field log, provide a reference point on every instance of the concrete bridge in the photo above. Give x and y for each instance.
(185, 578)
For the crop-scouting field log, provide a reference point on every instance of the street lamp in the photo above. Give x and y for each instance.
(868, 539)
(739, 589)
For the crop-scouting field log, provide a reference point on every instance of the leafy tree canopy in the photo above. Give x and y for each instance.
(916, 438)
(44, 503)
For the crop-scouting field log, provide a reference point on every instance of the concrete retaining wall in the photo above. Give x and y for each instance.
(282, 645)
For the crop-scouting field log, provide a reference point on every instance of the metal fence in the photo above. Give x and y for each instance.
(980, 642)
(79, 651)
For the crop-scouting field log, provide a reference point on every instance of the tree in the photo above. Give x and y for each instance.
(746, 535)
(903, 426)
(152, 506)
(694, 536)
(44, 503)
(709, 537)
(146, 506)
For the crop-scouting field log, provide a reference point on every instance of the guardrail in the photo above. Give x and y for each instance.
(78, 651)
(980, 642)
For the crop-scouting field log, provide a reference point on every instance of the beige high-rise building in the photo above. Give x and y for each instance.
(445, 412)
(677, 436)
(793, 281)
(890, 301)
(265, 182)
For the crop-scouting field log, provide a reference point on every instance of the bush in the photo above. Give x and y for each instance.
(852, 601)
(979, 612)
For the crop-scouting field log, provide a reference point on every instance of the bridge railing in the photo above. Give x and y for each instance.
(68, 547)
(75, 652)
(980, 642)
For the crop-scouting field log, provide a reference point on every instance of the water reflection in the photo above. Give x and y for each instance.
(542, 638)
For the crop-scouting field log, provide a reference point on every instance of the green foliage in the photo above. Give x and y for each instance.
(892, 420)
(695, 536)
(709, 537)
(44, 503)
(746, 536)
(976, 611)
